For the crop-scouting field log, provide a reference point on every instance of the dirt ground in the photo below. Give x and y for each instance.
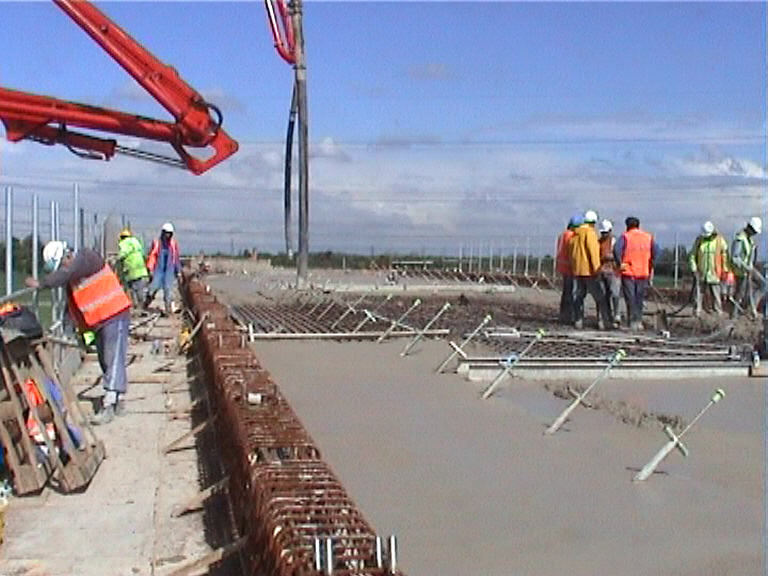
(475, 487)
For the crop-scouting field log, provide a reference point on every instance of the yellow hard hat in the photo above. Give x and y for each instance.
(125, 233)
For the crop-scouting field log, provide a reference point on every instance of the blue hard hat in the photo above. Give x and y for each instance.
(576, 220)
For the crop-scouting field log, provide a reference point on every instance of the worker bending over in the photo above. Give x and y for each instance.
(96, 302)
(750, 284)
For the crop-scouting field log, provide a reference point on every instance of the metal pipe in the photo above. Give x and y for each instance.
(8, 240)
(328, 556)
(555, 426)
(420, 335)
(509, 364)
(464, 343)
(674, 441)
(35, 236)
(395, 323)
(76, 218)
(392, 554)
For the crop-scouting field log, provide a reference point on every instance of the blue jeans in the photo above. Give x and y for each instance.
(111, 347)
(164, 280)
(634, 295)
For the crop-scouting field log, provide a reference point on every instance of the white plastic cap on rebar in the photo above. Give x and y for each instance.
(167, 227)
(590, 216)
(707, 228)
(606, 226)
(53, 254)
(756, 224)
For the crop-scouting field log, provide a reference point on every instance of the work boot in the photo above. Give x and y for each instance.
(168, 309)
(120, 407)
(104, 416)
(600, 324)
(579, 324)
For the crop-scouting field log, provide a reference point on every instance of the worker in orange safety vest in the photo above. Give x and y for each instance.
(164, 264)
(96, 302)
(636, 251)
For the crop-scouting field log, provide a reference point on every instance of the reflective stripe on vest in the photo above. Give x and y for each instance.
(636, 261)
(99, 297)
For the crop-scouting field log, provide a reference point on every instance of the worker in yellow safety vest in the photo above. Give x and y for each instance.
(709, 265)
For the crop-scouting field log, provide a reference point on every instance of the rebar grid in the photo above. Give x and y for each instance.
(284, 495)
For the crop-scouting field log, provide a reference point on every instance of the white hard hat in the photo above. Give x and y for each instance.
(707, 228)
(590, 216)
(53, 254)
(756, 224)
(167, 227)
(606, 226)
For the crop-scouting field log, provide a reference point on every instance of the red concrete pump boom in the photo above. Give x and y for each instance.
(48, 120)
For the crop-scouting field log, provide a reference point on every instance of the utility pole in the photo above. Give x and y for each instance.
(300, 69)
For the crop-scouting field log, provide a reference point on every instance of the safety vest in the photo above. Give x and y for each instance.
(607, 263)
(563, 257)
(97, 298)
(742, 253)
(131, 257)
(636, 260)
(709, 258)
(173, 256)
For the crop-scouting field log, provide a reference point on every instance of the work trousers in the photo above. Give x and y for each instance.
(634, 297)
(164, 280)
(591, 284)
(702, 288)
(137, 289)
(611, 284)
(750, 288)
(111, 347)
(566, 301)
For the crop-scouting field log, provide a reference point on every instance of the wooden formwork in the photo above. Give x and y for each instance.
(66, 452)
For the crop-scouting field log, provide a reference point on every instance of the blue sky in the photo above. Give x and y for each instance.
(433, 125)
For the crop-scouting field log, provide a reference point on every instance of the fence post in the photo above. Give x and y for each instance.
(76, 217)
(527, 255)
(677, 259)
(8, 240)
(35, 234)
(514, 260)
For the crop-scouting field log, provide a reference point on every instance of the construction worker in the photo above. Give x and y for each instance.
(610, 277)
(563, 267)
(750, 284)
(96, 302)
(131, 267)
(636, 252)
(584, 251)
(164, 264)
(709, 265)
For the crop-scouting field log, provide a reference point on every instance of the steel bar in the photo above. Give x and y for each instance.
(467, 340)
(674, 440)
(421, 332)
(398, 322)
(509, 364)
(351, 309)
(371, 314)
(613, 361)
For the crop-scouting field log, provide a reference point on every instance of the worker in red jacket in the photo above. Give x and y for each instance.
(164, 264)
(97, 303)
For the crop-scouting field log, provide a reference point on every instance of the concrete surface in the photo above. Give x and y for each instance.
(121, 524)
(474, 487)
